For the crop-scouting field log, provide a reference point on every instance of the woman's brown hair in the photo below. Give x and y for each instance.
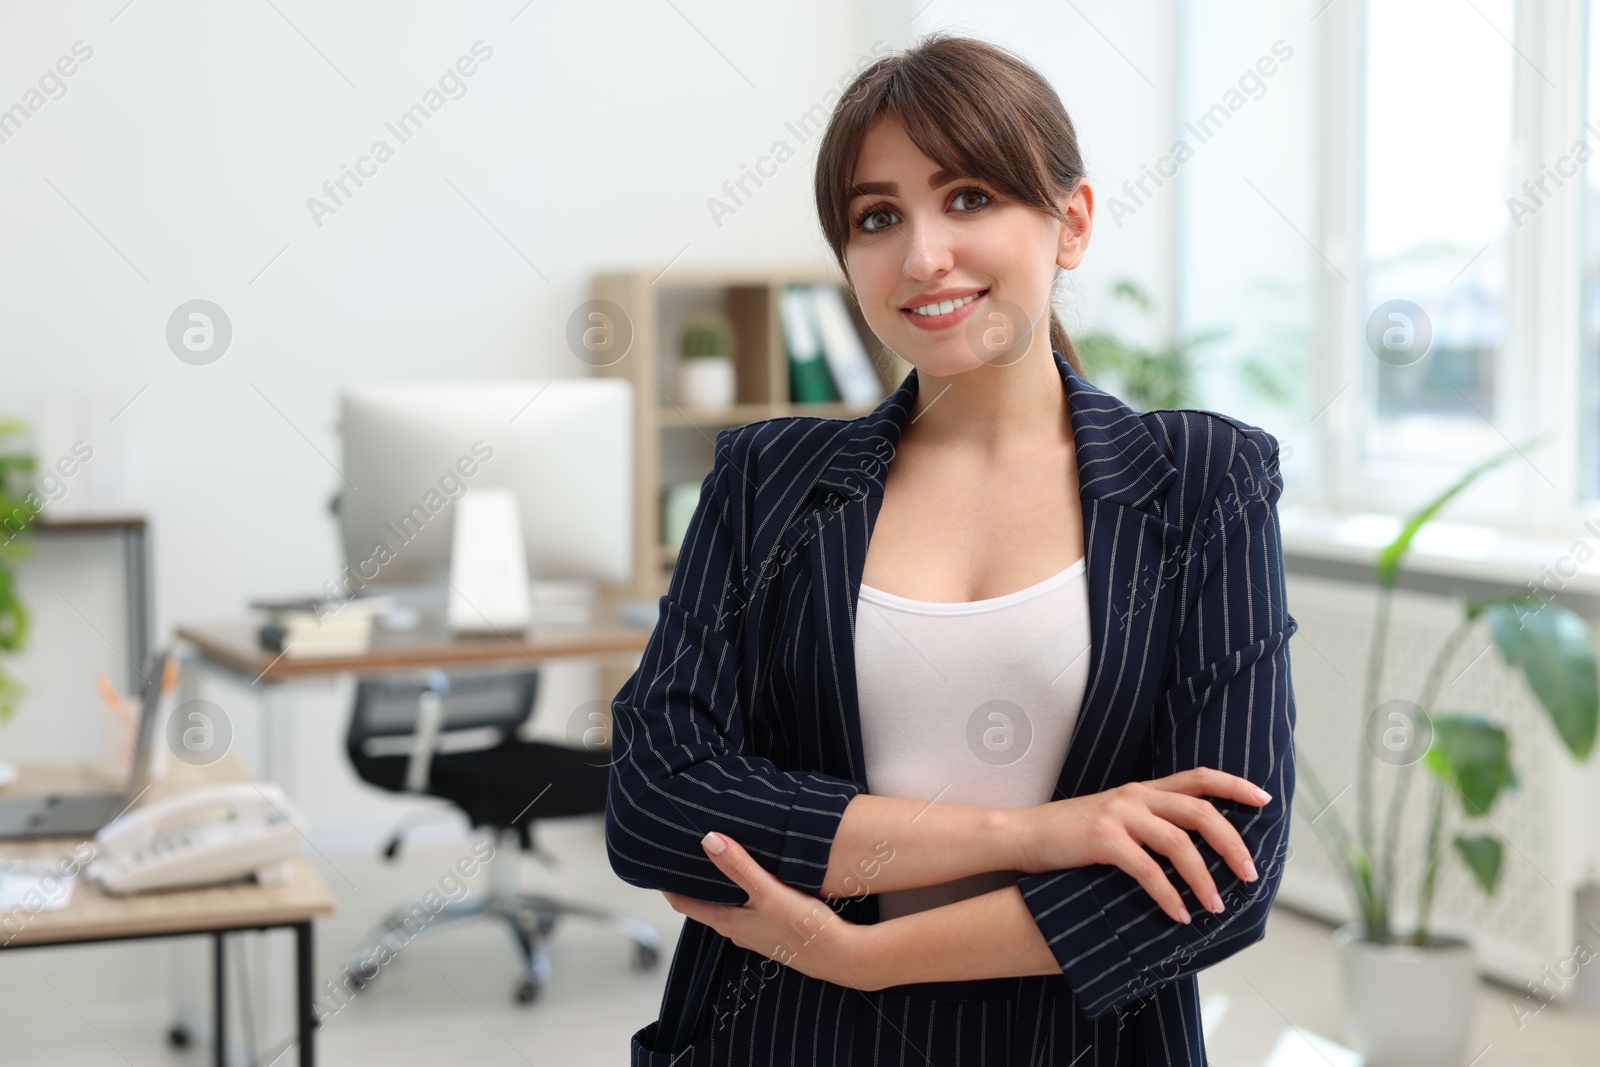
(974, 109)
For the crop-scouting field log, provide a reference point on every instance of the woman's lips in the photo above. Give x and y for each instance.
(944, 322)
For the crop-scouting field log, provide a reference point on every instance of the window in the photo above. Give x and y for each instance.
(1457, 294)
(1437, 160)
(1246, 122)
(1589, 405)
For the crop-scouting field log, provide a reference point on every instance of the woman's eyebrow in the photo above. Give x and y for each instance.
(876, 189)
(941, 177)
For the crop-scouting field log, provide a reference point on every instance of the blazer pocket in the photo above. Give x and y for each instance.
(1190, 695)
(695, 1054)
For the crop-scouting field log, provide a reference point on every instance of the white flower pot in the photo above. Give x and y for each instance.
(1406, 1006)
(706, 382)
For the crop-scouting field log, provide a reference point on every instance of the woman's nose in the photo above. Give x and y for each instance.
(928, 251)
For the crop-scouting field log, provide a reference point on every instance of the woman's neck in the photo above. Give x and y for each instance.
(993, 408)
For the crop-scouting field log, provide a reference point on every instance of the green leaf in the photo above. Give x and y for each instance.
(1553, 647)
(13, 616)
(1260, 377)
(11, 693)
(1149, 379)
(1388, 561)
(1473, 755)
(1130, 290)
(1482, 854)
(17, 512)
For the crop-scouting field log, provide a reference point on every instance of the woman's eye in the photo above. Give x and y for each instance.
(970, 204)
(884, 216)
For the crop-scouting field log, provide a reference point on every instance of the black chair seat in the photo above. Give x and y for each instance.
(497, 786)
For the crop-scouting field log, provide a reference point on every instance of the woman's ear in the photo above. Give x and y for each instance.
(1078, 207)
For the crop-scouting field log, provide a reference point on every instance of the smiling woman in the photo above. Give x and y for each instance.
(955, 710)
(1019, 151)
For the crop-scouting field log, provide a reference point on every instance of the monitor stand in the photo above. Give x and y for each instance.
(488, 565)
(420, 609)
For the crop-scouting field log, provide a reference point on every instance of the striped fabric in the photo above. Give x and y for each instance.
(742, 718)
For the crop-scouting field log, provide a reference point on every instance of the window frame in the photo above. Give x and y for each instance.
(1543, 355)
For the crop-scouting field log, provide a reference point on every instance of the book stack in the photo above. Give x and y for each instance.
(827, 360)
(312, 627)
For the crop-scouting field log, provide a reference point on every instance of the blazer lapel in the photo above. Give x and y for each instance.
(1122, 475)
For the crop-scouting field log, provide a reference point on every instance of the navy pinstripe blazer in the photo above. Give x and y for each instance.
(742, 718)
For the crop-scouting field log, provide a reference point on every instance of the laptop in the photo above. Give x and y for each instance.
(83, 814)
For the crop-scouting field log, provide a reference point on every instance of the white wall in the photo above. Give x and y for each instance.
(178, 165)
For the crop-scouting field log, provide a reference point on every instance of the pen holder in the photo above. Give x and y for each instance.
(122, 736)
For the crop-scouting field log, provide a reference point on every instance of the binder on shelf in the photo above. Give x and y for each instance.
(809, 379)
(841, 344)
(678, 502)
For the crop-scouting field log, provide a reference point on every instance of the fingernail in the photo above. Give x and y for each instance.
(1216, 903)
(1250, 871)
(1262, 795)
(1183, 913)
(714, 844)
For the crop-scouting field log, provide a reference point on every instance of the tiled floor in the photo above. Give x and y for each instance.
(447, 999)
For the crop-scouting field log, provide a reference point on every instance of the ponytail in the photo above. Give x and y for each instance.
(1063, 344)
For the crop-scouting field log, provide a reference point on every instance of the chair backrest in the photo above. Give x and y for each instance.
(479, 710)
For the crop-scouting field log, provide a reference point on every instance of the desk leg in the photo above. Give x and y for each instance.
(277, 1010)
(219, 989)
(304, 999)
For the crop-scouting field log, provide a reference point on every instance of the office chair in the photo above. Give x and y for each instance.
(454, 737)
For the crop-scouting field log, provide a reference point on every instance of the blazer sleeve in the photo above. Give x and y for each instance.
(681, 765)
(1232, 707)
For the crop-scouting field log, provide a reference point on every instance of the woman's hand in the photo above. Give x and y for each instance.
(779, 922)
(1115, 826)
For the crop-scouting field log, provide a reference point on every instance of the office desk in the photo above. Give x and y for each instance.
(93, 915)
(231, 651)
(233, 646)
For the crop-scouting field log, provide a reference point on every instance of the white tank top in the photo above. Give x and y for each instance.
(970, 703)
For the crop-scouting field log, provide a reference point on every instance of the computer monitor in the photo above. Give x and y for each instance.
(564, 447)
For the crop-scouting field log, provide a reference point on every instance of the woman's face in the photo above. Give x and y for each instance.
(973, 261)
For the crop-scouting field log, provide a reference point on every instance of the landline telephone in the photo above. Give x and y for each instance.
(204, 836)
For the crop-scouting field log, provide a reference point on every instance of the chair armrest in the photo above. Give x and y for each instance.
(425, 741)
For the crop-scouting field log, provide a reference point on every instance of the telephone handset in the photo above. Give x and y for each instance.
(204, 836)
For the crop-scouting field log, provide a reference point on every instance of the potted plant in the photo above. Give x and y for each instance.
(1409, 993)
(1148, 378)
(1158, 378)
(17, 510)
(706, 373)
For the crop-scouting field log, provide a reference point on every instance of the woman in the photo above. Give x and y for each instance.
(1050, 631)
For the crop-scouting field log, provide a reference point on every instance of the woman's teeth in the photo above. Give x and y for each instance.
(944, 307)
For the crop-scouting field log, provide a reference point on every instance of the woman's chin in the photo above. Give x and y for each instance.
(943, 363)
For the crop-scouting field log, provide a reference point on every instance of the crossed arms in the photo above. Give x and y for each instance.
(683, 767)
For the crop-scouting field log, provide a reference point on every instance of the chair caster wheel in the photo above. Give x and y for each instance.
(179, 1036)
(645, 957)
(359, 982)
(527, 991)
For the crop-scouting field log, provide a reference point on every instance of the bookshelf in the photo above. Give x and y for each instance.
(675, 444)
